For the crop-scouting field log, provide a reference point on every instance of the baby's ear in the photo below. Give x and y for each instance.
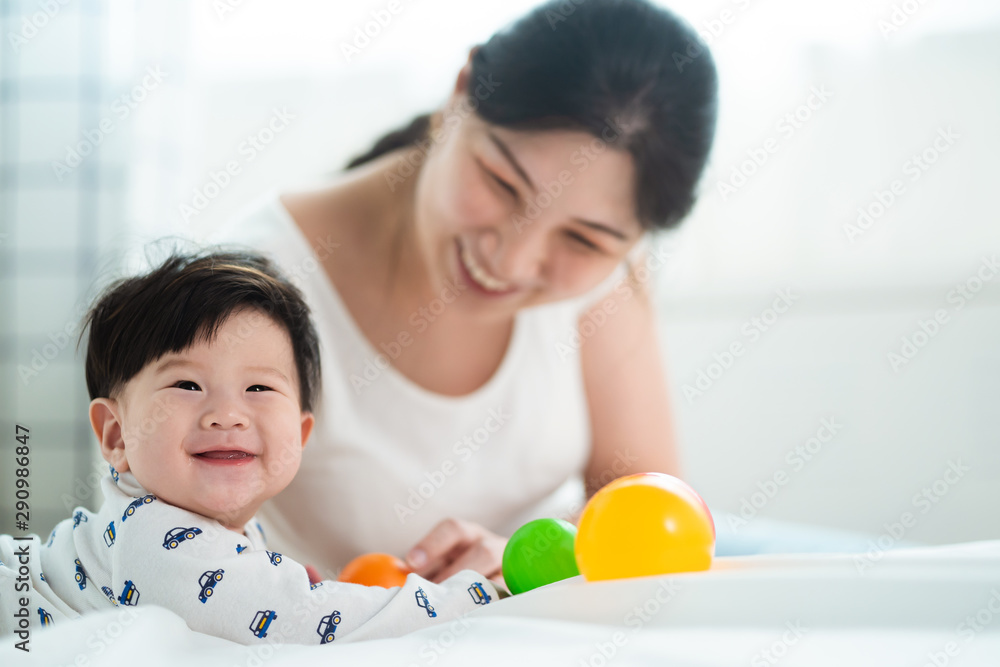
(308, 421)
(105, 419)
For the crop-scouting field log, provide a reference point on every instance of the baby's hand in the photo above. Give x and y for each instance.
(314, 577)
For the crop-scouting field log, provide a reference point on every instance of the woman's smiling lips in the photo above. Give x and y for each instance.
(475, 276)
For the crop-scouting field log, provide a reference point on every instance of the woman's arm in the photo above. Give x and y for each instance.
(630, 415)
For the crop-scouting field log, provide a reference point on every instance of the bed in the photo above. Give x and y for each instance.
(922, 606)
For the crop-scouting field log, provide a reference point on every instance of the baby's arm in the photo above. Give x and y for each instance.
(255, 595)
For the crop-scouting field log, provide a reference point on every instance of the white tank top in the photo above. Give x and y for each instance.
(388, 459)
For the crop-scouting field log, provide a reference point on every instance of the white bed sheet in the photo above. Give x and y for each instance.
(908, 607)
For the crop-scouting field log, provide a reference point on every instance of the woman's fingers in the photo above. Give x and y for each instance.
(484, 556)
(440, 546)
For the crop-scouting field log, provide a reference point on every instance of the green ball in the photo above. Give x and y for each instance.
(540, 552)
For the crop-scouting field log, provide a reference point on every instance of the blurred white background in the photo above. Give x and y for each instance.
(115, 114)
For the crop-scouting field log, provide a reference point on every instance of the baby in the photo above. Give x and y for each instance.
(203, 374)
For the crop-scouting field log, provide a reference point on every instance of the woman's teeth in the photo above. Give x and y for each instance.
(485, 280)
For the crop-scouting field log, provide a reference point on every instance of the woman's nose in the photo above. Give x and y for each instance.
(519, 256)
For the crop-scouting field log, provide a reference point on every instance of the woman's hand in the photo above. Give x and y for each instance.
(455, 545)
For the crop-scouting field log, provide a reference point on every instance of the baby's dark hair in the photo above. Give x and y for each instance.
(137, 320)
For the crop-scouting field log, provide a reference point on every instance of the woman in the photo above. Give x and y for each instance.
(485, 346)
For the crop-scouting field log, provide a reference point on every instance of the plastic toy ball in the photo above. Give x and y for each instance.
(540, 552)
(375, 570)
(642, 525)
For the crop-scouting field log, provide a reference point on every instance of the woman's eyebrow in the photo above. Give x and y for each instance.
(608, 229)
(603, 228)
(510, 157)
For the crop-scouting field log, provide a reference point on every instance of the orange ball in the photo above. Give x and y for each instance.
(375, 570)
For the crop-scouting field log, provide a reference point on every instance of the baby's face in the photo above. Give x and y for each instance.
(216, 429)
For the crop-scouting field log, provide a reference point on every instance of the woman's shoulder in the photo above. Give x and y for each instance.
(256, 223)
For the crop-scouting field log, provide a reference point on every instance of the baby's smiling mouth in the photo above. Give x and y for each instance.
(225, 455)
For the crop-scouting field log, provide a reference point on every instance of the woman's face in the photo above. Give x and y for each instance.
(517, 219)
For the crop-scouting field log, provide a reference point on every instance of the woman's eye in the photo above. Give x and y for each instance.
(499, 181)
(257, 388)
(582, 240)
(504, 184)
(184, 382)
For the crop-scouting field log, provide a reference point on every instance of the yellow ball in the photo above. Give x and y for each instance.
(642, 525)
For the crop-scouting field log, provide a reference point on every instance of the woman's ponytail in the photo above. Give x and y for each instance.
(406, 136)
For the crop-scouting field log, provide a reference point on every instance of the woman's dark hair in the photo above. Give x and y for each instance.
(137, 320)
(592, 65)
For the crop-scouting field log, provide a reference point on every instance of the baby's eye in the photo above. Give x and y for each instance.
(582, 240)
(183, 382)
(258, 388)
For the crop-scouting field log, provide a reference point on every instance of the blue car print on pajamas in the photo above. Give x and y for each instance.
(328, 626)
(78, 517)
(240, 548)
(114, 473)
(81, 575)
(208, 581)
(109, 534)
(130, 594)
(110, 593)
(423, 603)
(479, 594)
(132, 506)
(177, 535)
(261, 622)
(44, 617)
(275, 557)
